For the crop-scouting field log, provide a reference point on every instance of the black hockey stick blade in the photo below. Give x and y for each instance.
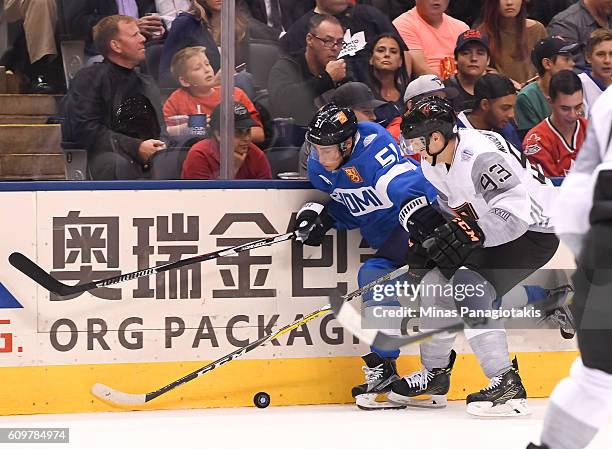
(40, 276)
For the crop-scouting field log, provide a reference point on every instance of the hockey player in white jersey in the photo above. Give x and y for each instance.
(501, 234)
(582, 403)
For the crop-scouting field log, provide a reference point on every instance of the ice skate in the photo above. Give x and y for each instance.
(380, 373)
(533, 446)
(561, 315)
(504, 396)
(424, 388)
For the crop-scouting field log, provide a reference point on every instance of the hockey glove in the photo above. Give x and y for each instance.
(420, 218)
(451, 244)
(312, 223)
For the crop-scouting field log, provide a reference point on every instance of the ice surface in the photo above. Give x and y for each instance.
(306, 427)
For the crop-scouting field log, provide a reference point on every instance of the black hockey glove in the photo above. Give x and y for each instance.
(312, 223)
(420, 218)
(451, 244)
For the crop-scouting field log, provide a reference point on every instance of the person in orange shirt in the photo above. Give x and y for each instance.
(200, 92)
(430, 36)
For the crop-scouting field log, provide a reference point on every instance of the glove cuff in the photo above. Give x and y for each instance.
(410, 207)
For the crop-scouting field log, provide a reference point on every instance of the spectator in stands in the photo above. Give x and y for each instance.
(494, 108)
(423, 86)
(392, 8)
(467, 11)
(578, 21)
(544, 10)
(279, 14)
(39, 19)
(472, 59)
(354, 18)
(203, 160)
(549, 56)
(88, 13)
(512, 36)
(296, 82)
(357, 96)
(169, 9)
(387, 76)
(111, 109)
(199, 93)
(201, 26)
(554, 143)
(599, 56)
(430, 36)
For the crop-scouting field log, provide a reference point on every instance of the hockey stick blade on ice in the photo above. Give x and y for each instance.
(43, 278)
(120, 398)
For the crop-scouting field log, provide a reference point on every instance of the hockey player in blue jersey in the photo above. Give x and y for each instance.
(361, 167)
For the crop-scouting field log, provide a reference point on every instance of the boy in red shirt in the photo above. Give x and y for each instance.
(554, 143)
(200, 92)
(203, 160)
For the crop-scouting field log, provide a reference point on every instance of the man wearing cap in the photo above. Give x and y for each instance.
(554, 143)
(423, 86)
(493, 109)
(577, 22)
(549, 56)
(472, 58)
(358, 97)
(203, 160)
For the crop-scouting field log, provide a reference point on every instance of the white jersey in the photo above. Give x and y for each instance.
(571, 215)
(492, 182)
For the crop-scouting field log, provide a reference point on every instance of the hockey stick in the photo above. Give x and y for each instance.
(116, 397)
(41, 277)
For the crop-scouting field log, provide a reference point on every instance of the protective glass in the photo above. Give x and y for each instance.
(413, 146)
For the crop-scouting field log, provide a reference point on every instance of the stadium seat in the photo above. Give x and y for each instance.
(168, 164)
(283, 159)
(262, 55)
(72, 48)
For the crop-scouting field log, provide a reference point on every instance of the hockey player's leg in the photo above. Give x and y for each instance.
(380, 369)
(505, 395)
(428, 387)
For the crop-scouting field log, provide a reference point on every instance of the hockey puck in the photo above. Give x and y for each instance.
(261, 399)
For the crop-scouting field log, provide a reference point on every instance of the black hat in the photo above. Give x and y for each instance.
(355, 95)
(549, 47)
(331, 125)
(471, 36)
(242, 117)
(492, 86)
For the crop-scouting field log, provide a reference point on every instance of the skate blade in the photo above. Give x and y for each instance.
(372, 401)
(513, 407)
(423, 401)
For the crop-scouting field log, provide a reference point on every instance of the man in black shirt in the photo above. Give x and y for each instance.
(112, 110)
(297, 81)
(354, 19)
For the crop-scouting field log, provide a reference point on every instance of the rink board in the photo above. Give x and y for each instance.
(145, 333)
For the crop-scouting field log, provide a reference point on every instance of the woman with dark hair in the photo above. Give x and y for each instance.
(388, 72)
(512, 36)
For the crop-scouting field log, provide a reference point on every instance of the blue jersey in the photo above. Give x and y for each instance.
(370, 188)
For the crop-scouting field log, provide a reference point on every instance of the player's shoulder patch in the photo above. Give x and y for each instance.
(368, 139)
(532, 144)
(353, 174)
(467, 154)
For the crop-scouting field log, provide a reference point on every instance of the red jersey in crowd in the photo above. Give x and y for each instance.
(203, 161)
(181, 102)
(544, 145)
